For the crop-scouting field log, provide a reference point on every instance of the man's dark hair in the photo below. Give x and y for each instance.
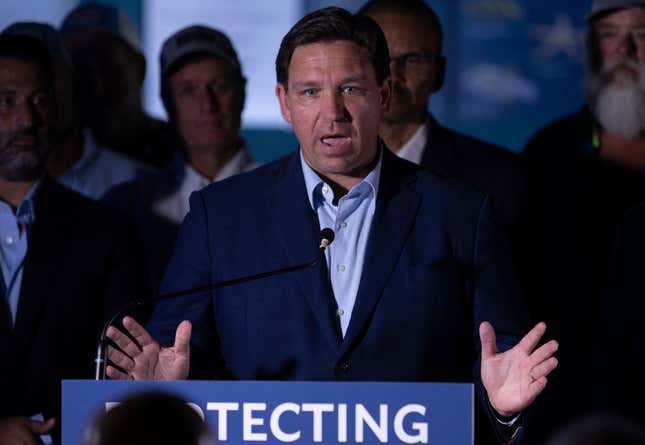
(330, 25)
(28, 49)
(416, 8)
(151, 417)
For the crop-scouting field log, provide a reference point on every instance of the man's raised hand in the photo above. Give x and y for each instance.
(144, 358)
(513, 379)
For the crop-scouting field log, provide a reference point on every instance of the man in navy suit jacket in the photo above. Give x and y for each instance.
(399, 299)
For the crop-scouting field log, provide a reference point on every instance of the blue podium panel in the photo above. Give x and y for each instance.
(297, 412)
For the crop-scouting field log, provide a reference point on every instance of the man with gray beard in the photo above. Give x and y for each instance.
(586, 170)
(616, 94)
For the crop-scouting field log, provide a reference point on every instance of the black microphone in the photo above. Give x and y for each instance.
(326, 237)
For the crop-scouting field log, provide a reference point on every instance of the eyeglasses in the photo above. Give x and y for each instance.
(414, 60)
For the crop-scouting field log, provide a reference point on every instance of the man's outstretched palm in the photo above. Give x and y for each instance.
(513, 379)
(146, 359)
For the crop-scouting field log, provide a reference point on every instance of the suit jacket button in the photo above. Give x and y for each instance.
(342, 366)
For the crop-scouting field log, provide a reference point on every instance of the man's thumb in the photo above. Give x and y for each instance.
(182, 337)
(487, 337)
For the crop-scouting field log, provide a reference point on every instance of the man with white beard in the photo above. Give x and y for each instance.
(616, 82)
(586, 170)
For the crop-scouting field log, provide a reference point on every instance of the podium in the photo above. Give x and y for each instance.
(279, 412)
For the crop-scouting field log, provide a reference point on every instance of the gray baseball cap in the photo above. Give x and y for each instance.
(197, 39)
(599, 7)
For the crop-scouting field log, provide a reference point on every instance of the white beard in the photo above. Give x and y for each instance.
(619, 102)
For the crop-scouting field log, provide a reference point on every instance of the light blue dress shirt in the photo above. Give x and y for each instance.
(14, 230)
(351, 220)
(99, 169)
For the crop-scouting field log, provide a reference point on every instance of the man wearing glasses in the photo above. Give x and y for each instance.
(414, 37)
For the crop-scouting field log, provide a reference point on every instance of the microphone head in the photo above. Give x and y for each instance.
(326, 237)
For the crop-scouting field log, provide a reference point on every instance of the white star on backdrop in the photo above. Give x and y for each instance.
(562, 37)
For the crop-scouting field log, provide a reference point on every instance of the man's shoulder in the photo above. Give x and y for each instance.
(253, 183)
(144, 188)
(479, 149)
(461, 155)
(451, 191)
(108, 157)
(58, 203)
(572, 131)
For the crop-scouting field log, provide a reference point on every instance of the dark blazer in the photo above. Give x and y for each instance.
(135, 199)
(83, 262)
(493, 169)
(577, 201)
(618, 339)
(435, 267)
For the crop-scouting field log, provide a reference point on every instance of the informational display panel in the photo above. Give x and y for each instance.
(297, 412)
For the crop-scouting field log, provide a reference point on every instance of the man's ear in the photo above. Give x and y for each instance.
(281, 92)
(440, 73)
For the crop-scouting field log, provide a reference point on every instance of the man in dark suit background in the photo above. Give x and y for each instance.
(586, 171)
(66, 262)
(203, 91)
(417, 67)
(416, 270)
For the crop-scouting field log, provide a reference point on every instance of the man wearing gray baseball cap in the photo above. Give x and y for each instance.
(587, 170)
(203, 91)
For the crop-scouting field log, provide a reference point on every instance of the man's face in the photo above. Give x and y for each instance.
(110, 74)
(24, 120)
(334, 104)
(616, 88)
(208, 100)
(621, 38)
(416, 68)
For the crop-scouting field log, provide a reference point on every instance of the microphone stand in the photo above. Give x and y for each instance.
(326, 237)
(100, 360)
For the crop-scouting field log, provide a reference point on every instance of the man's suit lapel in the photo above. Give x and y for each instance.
(438, 155)
(45, 242)
(396, 208)
(5, 313)
(298, 230)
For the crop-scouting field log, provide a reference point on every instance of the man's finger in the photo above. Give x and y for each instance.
(182, 337)
(530, 340)
(41, 427)
(115, 374)
(535, 389)
(487, 337)
(138, 332)
(120, 359)
(544, 352)
(123, 341)
(544, 368)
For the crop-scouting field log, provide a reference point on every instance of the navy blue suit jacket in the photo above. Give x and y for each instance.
(435, 267)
